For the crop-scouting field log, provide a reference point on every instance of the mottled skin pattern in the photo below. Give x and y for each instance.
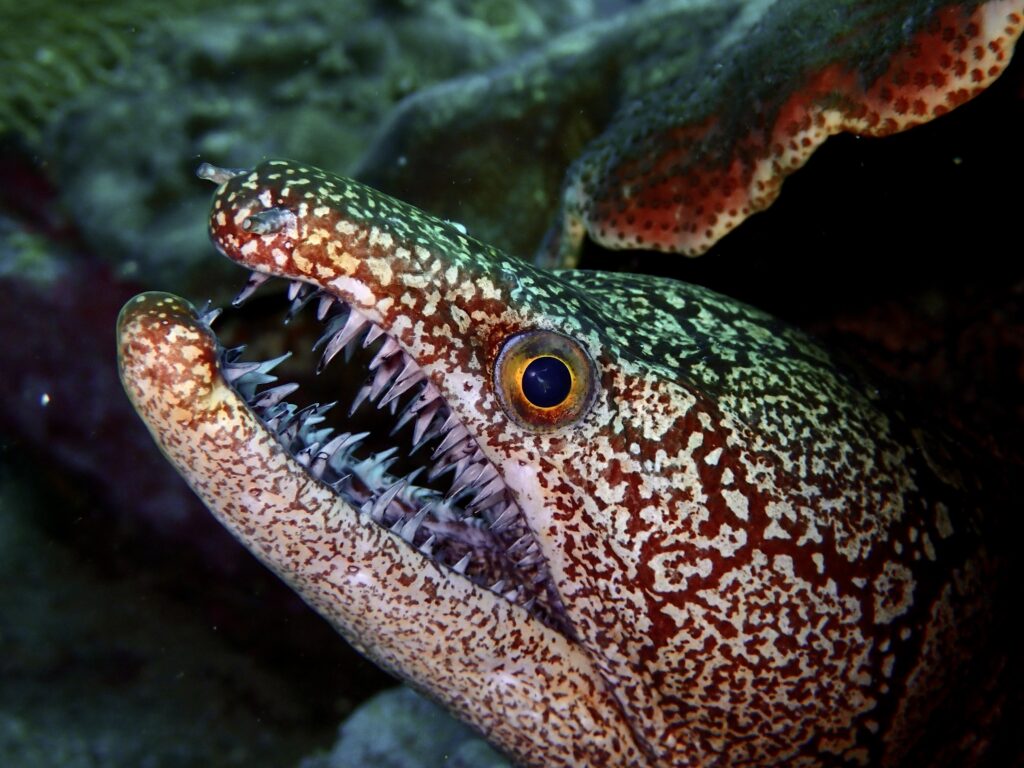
(756, 561)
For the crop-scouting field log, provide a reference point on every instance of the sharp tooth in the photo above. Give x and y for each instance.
(460, 458)
(387, 464)
(450, 421)
(487, 494)
(407, 415)
(498, 586)
(372, 335)
(234, 371)
(505, 518)
(370, 508)
(427, 547)
(411, 477)
(524, 539)
(283, 416)
(383, 377)
(427, 403)
(324, 455)
(317, 466)
(256, 279)
(385, 455)
(269, 365)
(310, 414)
(231, 355)
(528, 605)
(348, 330)
(455, 436)
(248, 376)
(275, 395)
(460, 567)
(486, 515)
(512, 594)
(372, 471)
(298, 303)
(293, 289)
(439, 469)
(423, 421)
(320, 410)
(361, 395)
(489, 472)
(208, 316)
(326, 300)
(387, 349)
(464, 479)
(428, 396)
(329, 448)
(400, 387)
(456, 459)
(409, 529)
(335, 324)
(340, 453)
(355, 440)
(384, 500)
(410, 370)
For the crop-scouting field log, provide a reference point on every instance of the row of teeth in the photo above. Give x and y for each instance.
(474, 527)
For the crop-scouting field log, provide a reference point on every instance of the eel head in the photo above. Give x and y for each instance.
(606, 519)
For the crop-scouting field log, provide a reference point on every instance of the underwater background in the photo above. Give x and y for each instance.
(134, 631)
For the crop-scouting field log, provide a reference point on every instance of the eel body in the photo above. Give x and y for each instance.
(702, 543)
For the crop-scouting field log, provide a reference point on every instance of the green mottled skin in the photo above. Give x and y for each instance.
(758, 564)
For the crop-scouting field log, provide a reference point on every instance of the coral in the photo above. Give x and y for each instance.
(121, 99)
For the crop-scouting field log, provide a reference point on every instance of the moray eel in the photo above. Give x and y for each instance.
(643, 524)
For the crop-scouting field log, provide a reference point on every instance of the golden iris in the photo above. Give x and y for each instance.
(544, 380)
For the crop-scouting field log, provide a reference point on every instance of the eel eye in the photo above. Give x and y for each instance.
(544, 380)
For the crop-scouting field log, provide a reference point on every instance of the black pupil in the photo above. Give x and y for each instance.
(546, 382)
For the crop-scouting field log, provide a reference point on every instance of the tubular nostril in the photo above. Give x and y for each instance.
(216, 174)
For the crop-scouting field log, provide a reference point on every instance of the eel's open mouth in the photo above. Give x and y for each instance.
(431, 485)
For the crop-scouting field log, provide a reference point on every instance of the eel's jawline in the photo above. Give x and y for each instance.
(521, 683)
